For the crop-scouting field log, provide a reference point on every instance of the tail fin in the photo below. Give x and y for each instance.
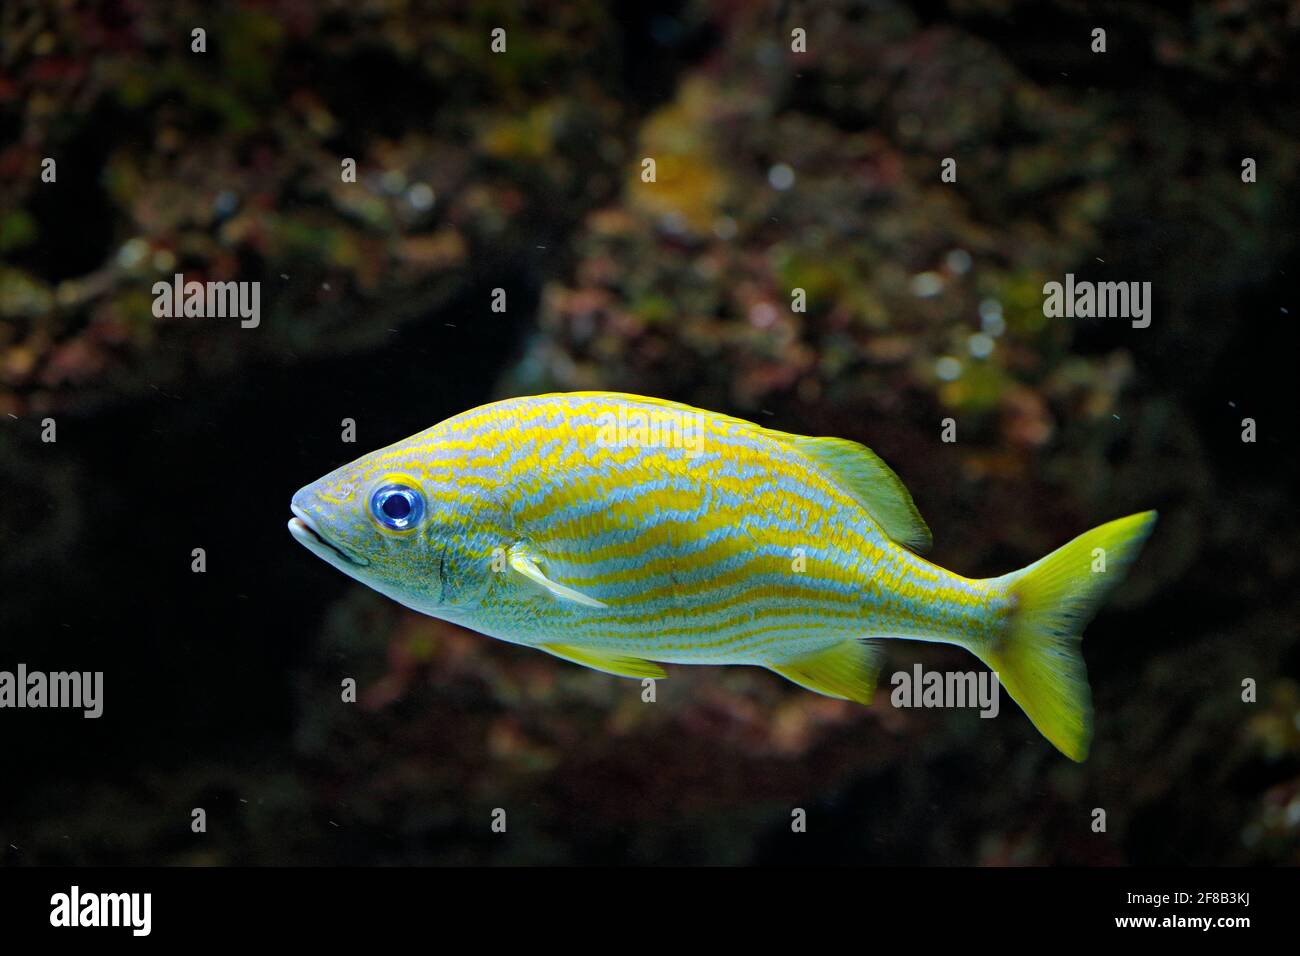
(1038, 657)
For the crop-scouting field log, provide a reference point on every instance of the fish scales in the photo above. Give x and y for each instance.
(620, 532)
(697, 562)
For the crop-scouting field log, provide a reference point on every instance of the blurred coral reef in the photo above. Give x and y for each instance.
(775, 171)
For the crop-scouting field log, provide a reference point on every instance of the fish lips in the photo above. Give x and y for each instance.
(310, 537)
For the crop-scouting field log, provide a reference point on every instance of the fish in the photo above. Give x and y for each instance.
(621, 533)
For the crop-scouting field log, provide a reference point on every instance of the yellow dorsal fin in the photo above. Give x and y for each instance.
(854, 467)
(847, 671)
(609, 662)
(860, 472)
(523, 562)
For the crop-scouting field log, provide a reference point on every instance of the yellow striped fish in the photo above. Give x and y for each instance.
(621, 532)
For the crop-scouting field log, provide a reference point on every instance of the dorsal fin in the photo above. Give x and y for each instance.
(854, 467)
(862, 474)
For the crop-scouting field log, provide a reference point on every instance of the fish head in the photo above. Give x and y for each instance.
(381, 520)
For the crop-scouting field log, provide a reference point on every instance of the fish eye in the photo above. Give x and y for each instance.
(397, 507)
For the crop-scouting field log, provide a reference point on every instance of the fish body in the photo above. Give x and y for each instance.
(622, 532)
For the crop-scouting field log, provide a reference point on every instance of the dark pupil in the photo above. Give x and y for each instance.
(396, 507)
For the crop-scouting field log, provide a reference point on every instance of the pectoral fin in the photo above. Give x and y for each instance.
(610, 663)
(847, 671)
(524, 563)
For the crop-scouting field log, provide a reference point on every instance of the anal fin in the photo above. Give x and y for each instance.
(611, 662)
(848, 670)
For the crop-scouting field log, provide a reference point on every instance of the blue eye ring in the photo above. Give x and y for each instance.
(397, 507)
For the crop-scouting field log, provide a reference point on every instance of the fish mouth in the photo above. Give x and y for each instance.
(309, 536)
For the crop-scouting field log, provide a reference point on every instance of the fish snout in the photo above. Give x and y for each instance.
(312, 526)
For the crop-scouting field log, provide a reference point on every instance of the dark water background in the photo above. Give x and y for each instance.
(221, 689)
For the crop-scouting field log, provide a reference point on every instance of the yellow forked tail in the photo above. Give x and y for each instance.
(1038, 657)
